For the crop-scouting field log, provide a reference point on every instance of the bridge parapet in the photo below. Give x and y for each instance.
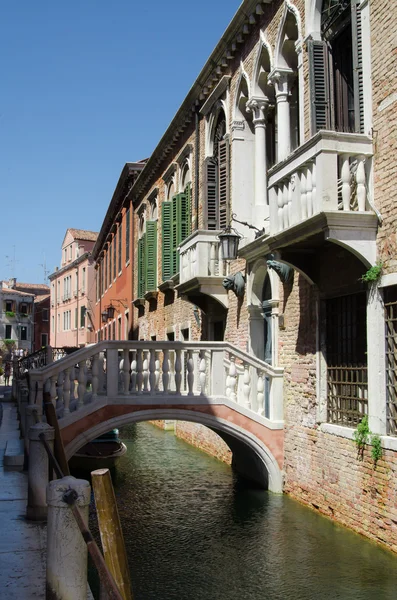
(161, 370)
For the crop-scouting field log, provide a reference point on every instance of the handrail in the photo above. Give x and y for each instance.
(88, 351)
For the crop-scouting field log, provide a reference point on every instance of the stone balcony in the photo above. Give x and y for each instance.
(324, 187)
(202, 268)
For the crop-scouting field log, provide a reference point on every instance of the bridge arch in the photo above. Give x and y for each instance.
(250, 455)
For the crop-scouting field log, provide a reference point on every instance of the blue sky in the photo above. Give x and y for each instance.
(86, 86)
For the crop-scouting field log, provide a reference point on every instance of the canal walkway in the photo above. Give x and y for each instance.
(22, 543)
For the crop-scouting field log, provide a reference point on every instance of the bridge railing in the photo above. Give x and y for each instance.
(167, 370)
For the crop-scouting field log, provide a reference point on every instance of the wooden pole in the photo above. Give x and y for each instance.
(52, 420)
(111, 532)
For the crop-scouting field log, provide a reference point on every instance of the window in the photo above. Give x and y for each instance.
(114, 256)
(390, 298)
(65, 256)
(8, 332)
(176, 225)
(217, 179)
(8, 306)
(23, 333)
(346, 352)
(82, 316)
(83, 276)
(70, 251)
(147, 259)
(110, 263)
(52, 324)
(23, 308)
(44, 339)
(127, 235)
(76, 318)
(336, 69)
(45, 314)
(119, 337)
(126, 325)
(120, 245)
(113, 330)
(105, 260)
(59, 323)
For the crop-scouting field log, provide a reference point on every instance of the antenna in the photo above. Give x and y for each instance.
(11, 262)
(46, 271)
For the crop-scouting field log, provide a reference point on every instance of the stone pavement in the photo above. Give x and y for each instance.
(22, 543)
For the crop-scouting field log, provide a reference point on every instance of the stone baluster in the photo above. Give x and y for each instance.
(345, 177)
(202, 372)
(145, 371)
(309, 190)
(303, 201)
(101, 373)
(152, 369)
(95, 380)
(285, 204)
(247, 385)
(260, 396)
(360, 180)
(53, 389)
(139, 371)
(232, 380)
(82, 384)
(178, 371)
(126, 372)
(156, 372)
(221, 262)
(60, 380)
(190, 374)
(133, 373)
(72, 386)
(166, 368)
(280, 204)
(32, 391)
(212, 259)
(314, 188)
(66, 391)
(290, 193)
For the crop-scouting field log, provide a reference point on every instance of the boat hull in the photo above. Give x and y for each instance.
(102, 455)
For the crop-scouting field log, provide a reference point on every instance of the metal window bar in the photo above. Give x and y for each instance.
(346, 346)
(390, 298)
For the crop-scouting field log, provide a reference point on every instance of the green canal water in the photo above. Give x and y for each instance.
(195, 531)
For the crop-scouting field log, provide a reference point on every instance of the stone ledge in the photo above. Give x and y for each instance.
(14, 455)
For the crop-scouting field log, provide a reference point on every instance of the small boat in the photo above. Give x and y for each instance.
(101, 453)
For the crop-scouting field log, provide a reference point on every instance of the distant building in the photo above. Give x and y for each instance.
(71, 287)
(22, 315)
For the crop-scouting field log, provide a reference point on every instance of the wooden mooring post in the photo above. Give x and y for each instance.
(111, 533)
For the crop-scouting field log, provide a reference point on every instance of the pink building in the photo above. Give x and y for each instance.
(72, 291)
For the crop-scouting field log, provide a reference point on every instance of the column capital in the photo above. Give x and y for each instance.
(282, 77)
(258, 107)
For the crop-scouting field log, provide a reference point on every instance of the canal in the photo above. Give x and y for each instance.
(194, 530)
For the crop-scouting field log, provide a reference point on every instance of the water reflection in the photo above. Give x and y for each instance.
(195, 531)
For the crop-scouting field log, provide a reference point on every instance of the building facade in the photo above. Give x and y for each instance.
(289, 135)
(72, 292)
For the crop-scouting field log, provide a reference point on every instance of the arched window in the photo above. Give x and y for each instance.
(336, 77)
(217, 177)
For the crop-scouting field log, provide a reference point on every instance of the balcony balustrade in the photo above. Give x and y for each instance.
(330, 172)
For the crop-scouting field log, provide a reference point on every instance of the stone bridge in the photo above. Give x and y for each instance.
(113, 383)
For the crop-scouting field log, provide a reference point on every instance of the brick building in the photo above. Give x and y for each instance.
(290, 128)
(72, 291)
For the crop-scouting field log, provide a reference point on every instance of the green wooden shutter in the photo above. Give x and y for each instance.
(175, 228)
(188, 209)
(151, 256)
(319, 85)
(223, 193)
(166, 214)
(184, 216)
(141, 266)
(211, 190)
(357, 40)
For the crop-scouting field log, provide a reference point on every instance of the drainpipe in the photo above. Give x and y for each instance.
(196, 166)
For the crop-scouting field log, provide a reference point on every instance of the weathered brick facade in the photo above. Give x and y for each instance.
(327, 229)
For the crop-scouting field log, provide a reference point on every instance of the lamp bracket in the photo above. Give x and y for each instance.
(259, 231)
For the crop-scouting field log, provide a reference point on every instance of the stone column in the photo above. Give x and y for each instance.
(33, 414)
(259, 107)
(38, 471)
(66, 549)
(281, 78)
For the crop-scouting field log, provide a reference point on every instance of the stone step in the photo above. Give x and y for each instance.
(14, 455)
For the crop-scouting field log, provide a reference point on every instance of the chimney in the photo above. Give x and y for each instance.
(12, 283)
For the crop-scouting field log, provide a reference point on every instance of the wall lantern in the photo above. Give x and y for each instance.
(111, 310)
(104, 316)
(230, 238)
